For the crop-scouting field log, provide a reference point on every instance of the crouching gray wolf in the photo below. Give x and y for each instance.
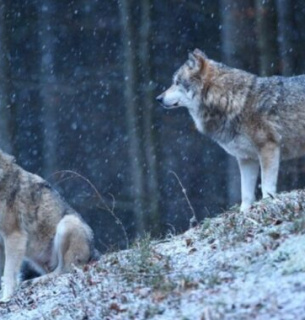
(258, 120)
(37, 225)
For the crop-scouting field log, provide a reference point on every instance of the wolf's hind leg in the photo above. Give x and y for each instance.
(71, 244)
(15, 247)
(249, 172)
(2, 259)
(71, 247)
(269, 162)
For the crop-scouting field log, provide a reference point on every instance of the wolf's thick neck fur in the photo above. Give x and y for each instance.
(226, 95)
(260, 121)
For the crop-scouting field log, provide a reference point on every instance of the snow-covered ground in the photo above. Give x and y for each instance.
(235, 266)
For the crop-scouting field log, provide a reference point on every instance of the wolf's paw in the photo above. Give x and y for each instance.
(37, 281)
(26, 283)
(5, 299)
(245, 207)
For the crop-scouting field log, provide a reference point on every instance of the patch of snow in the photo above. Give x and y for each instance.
(235, 267)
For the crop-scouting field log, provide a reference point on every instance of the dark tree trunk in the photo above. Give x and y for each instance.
(299, 10)
(238, 36)
(6, 124)
(131, 105)
(48, 85)
(287, 39)
(266, 37)
(286, 36)
(149, 135)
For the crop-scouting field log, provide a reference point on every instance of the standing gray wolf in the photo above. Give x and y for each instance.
(260, 121)
(36, 225)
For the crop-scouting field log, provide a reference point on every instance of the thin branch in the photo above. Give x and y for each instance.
(105, 205)
(193, 220)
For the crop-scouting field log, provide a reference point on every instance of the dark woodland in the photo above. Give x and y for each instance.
(77, 101)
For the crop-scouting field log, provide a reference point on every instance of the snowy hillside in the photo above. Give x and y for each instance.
(235, 266)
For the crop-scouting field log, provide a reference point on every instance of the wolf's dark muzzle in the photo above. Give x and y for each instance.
(160, 99)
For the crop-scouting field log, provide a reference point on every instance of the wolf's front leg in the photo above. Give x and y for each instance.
(248, 173)
(269, 162)
(15, 246)
(2, 259)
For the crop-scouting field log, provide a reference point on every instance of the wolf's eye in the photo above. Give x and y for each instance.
(186, 85)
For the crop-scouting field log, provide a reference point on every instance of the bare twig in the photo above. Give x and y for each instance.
(193, 220)
(105, 207)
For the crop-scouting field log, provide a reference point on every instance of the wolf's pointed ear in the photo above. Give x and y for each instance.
(198, 53)
(197, 60)
(193, 62)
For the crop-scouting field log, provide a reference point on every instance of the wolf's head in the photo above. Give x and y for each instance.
(188, 83)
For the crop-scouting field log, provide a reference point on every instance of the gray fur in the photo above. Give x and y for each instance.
(37, 226)
(260, 121)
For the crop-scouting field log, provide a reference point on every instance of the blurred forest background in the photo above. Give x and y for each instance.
(77, 92)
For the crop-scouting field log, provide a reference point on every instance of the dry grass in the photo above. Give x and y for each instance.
(232, 226)
(234, 266)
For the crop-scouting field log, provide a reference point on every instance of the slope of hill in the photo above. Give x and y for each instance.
(234, 266)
